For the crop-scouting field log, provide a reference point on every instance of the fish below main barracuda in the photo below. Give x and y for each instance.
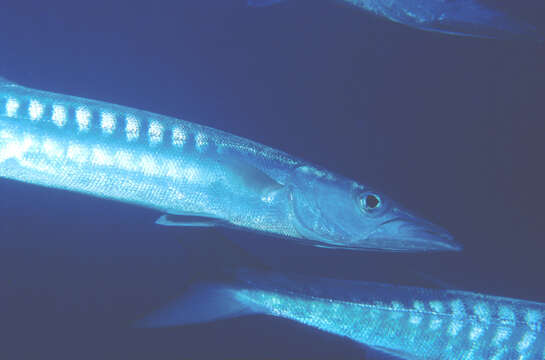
(455, 17)
(195, 175)
(405, 322)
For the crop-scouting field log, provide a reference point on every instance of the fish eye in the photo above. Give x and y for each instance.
(370, 201)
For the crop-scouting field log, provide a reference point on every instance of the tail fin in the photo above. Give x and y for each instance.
(202, 303)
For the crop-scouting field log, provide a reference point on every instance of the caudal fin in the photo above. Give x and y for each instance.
(202, 303)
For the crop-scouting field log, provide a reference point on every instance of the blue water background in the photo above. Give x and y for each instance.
(451, 127)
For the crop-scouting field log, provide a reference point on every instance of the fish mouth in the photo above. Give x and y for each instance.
(409, 233)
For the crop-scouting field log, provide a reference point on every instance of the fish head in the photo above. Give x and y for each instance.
(336, 212)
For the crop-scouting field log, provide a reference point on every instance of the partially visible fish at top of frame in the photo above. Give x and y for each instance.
(196, 175)
(455, 17)
(405, 322)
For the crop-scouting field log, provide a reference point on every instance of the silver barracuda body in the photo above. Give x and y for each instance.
(195, 175)
(406, 322)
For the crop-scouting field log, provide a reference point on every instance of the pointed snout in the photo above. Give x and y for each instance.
(430, 235)
(406, 232)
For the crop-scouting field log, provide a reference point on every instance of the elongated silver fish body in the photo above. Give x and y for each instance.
(138, 157)
(184, 169)
(415, 323)
(407, 322)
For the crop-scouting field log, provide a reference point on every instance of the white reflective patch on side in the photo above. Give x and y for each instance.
(419, 306)
(475, 333)
(201, 142)
(533, 319)
(12, 106)
(499, 354)
(149, 165)
(507, 315)
(10, 150)
(482, 312)
(502, 333)
(415, 319)
(179, 136)
(190, 174)
(132, 128)
(155, 132)
(454, 327)
(11, 147)
(59, 115)
(29, 142)
(173, 170)
(107, 123)
(77, 153)
(35, 110)
(52, 149)
(527, 340)
(469, 354)
(435, 323)
(124, 160)
(83, 118)
(397, 305)
(437, 306)
(397, 310)
(101, 157)
(5, 134)
(457, 307)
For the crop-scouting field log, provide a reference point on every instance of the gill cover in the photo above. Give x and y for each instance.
(313, 193)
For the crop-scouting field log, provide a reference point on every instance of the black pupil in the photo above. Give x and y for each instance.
(371, 201)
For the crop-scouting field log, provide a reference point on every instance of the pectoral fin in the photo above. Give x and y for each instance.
(251, 178)
(189, 221)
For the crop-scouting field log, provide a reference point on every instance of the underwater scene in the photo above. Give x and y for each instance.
(272, 179)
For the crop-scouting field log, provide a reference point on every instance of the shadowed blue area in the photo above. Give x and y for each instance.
(452, 127)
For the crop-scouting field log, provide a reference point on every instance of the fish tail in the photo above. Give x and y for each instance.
(200, 304)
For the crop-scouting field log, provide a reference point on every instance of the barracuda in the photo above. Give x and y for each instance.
(195, 175)
(405, 322)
